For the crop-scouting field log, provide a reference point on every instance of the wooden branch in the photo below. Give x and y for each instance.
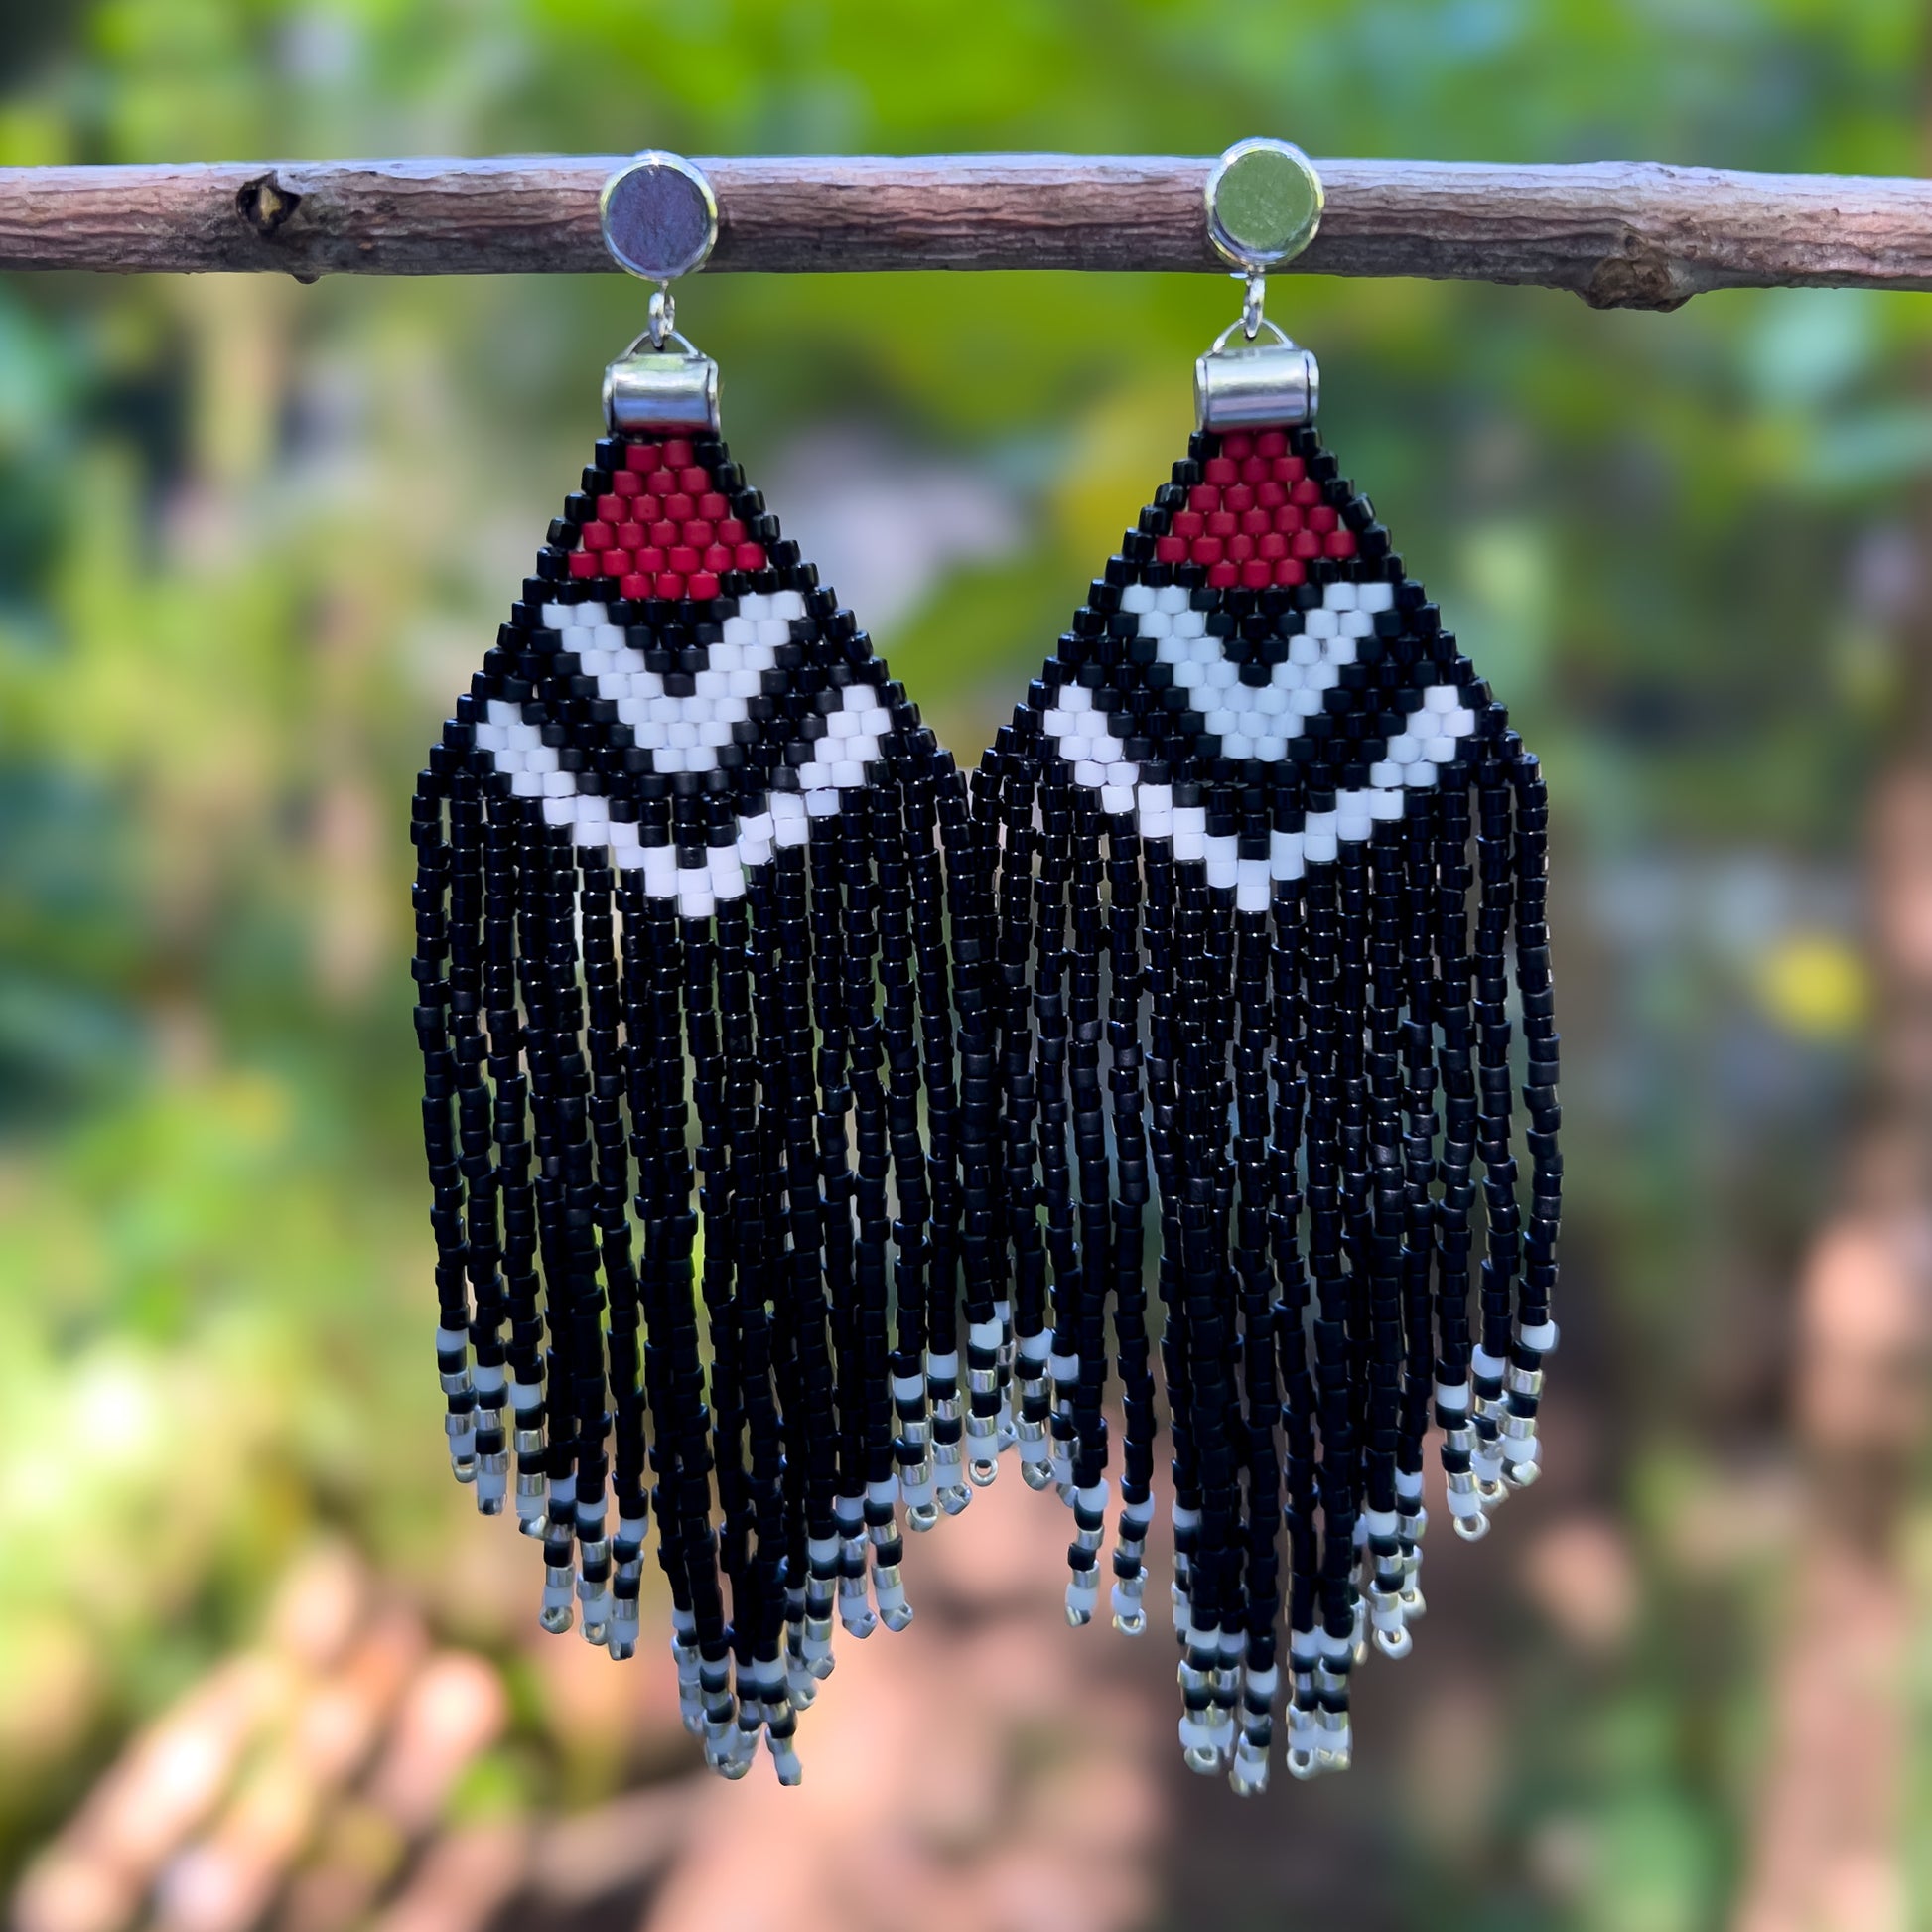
(1618, 234)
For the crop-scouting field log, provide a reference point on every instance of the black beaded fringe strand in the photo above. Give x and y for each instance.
(706, 1181)
(1235, 951)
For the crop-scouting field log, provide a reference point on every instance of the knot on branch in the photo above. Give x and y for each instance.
(265, 205)
(1640, 275)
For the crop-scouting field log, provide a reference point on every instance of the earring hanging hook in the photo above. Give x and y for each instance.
(659, 220)
(1264, 205)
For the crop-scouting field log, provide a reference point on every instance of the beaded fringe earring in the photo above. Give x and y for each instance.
(1234, 823)
(753, 1032)
(681, 850)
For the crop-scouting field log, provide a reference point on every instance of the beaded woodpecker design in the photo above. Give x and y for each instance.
(1233, 825)
(682, 843)
(754, 1035)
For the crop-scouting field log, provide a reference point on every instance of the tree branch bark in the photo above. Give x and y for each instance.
(1628, 235)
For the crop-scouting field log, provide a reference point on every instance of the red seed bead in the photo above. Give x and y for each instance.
(1256, 523)
(614, 563)
(1256, 575)
(611, 510)
(694, 478)
(668, 584)
(712, 507)
(698, 533)
(1289, 572)
(1237, 442)
(678, 452)
(631, 536)
(749, 556)
(730, 531)
(1203, 498)
(649, 560)
(1341, 544)
(1208, 550)
(664, 533)
(1273, 546)
(633, 586)
(679, 507)
(1289, 469)
(1306, 493)
(1240, 497)
(640, 458)
(662, 484)
(1271, 443)
(1170, 550)
(1240, 548)
(1224, 576)
(1270, 495)
(1323, 518)
(582, 564)
(1255, 469)
(1288, 518)
(1305, 544)
(717, 558)
(701, 586)
(597, 536)
(1221, 471)
(683, 559)
(628, 483)
(1190, 523)
(1223, 523)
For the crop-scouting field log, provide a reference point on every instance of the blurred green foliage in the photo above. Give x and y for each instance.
(253, 536)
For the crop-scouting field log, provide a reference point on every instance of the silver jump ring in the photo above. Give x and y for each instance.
(1250, 316)
(663, 317)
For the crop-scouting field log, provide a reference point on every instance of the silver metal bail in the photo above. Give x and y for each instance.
(1261, 384)
(1264, 207)
(659, 218)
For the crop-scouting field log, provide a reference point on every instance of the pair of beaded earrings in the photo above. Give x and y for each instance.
(809, 1120)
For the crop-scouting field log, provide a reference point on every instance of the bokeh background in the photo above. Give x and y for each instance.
(261, 1667)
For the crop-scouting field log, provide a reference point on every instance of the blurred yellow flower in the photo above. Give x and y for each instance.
(1812, 983)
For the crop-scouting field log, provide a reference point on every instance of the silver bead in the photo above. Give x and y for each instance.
(886, 1577)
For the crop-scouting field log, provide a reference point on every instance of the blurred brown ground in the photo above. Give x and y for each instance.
(988, 1770)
